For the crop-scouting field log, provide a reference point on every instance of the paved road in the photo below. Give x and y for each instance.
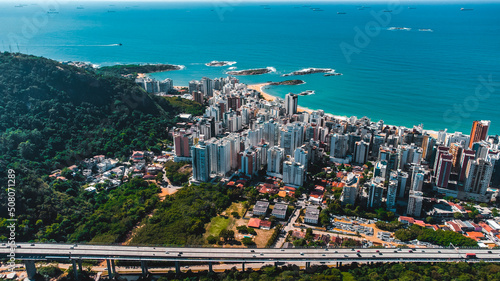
(67, 251)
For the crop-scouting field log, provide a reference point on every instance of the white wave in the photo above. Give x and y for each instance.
(220, 63)
(272, 69)
(232, 67)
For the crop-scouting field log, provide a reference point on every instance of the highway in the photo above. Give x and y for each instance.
(39, 251)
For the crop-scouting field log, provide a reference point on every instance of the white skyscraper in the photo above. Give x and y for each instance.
(291, 102)
(301, 156)
(418, 182)
(392, 192)
(200, 162)
(224, 157)
(271, 132)
(212, 147)
(415, 203)
(338, 146)
(207, 87)
(292, 136)
(275, 156)
(293, 173)
(361, 152)
(478, 177)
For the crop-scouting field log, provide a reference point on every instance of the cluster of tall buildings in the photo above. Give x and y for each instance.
(154, 86)
(242, 133)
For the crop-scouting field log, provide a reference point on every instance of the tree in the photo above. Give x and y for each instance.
(494, 212)
(235, 215)
(458, 215)
(247, 241)
(159, 177)
(309, 234)
(429, 219)
(211, 239)
(242, 229)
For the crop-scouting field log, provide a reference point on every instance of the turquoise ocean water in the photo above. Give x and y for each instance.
(444, 79)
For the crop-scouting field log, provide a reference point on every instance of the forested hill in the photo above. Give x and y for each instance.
(48, 109)
(51, 116)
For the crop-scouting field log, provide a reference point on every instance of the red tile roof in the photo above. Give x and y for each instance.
(254, 222)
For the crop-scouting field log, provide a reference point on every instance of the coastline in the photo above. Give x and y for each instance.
(260, 88)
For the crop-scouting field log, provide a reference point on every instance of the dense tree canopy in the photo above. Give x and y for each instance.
(54, 115)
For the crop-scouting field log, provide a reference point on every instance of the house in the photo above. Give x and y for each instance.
(265, 224)
(298, 234)
(487, 229)
(260, 208)
(279, 211)
(137, 155)
(312, 215)
(475, 235)
(407, 220)
(254, 222)
(453, 226)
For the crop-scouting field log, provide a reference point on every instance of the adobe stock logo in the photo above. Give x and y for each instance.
(471, 103)
(363, 36)
(38, 20)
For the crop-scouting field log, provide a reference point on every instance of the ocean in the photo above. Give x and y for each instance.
(440, 66)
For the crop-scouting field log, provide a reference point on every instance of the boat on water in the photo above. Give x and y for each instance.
(411, 8)
(341, 13)
(119, 44)
(466, 9)
(399, 28)
(426, 29)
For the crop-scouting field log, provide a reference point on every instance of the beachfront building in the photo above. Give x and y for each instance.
(291, 103)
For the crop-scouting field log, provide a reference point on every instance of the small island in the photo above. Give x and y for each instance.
(310, 71)
(288, 82)
(127, 69)
(257, 71)
(220, 63)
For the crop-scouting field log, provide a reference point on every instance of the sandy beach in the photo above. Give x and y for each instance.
(260, 88)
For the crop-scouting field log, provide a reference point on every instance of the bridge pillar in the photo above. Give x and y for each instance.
(113, 267)
(243, 267)
(30, 269)
(210, 266)
(80, 266)
(75, 270)
(340, 263)
(177, 268)
(110, 271)
(144, 267)
(337, 264)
